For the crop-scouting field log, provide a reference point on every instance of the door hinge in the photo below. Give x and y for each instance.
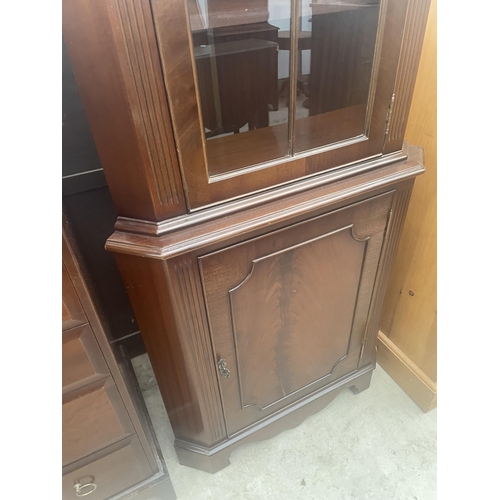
(388, 225)
(388, 115)
(362, 351)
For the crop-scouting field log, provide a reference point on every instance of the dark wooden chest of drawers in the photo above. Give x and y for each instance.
(109, 449)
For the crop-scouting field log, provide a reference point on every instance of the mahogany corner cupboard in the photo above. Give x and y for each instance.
(254, 152)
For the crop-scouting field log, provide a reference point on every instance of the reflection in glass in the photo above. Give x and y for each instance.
(243, 75)
(336, 47)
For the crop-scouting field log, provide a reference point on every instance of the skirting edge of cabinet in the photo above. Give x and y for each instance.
(414, 382)
(159, 486)
(212, 460)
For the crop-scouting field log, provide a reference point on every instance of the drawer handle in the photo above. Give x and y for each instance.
(223, 369)
(82, 490)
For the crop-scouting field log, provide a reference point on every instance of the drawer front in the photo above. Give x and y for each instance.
(92, 418)
(72, 311)
(82, 360)
(125, 466)
(288, 310)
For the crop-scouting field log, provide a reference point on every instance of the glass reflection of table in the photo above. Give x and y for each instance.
(239, 87)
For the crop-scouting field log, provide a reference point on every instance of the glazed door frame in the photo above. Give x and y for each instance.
(172, 25)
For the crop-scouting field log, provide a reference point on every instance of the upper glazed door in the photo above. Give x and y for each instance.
(264, 92)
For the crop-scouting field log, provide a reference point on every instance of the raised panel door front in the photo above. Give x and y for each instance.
(287, 311)
(290, 315)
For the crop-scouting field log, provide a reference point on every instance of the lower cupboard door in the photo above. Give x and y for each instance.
(288, 310)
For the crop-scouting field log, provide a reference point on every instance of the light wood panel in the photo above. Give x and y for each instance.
(406, 374)
(410, 307)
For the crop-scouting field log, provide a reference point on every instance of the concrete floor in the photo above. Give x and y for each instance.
(376, 445)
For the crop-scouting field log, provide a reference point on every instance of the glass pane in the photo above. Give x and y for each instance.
(335, 60)
(242, 65)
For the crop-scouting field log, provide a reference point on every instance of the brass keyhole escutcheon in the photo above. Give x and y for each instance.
(223, 369)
